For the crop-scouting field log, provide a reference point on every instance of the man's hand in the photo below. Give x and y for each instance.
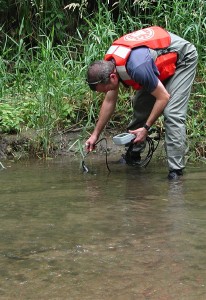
(90, 143)
(141, 134)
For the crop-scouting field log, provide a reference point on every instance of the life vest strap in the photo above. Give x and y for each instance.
(121, 70)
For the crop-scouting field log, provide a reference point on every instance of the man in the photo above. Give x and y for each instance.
(161, 66)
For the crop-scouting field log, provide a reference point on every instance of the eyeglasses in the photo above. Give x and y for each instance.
(93, 85)
(96, 82)
(101, 80)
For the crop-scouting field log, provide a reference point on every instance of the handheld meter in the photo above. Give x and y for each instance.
(123, 138)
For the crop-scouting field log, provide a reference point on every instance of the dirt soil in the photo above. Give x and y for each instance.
(21, 146)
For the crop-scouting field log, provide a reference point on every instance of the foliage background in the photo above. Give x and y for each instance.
(46, 46)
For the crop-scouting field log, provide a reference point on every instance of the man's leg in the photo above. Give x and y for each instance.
(143, 103)
(179, 88)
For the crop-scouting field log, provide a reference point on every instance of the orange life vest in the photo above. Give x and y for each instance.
(155, 38)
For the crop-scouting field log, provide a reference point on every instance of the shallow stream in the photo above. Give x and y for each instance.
(128, 234)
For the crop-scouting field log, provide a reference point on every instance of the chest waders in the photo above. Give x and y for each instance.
(179, 87)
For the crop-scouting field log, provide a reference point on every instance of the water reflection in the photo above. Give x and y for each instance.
(129, 234)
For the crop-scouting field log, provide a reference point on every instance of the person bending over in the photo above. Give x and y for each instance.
(161, 67)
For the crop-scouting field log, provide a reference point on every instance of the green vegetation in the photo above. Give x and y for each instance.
(47, 46)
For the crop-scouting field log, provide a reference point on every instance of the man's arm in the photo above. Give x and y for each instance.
(106, 111)
(162, 98)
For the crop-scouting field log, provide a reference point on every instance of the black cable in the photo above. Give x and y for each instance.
(151, 149)
(84, 167)
(142, 163)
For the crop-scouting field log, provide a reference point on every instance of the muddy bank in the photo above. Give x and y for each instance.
(25, 145)
(12, 146)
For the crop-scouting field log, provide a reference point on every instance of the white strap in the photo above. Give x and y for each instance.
(120, 51)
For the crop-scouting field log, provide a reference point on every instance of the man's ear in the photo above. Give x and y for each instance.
(113, 77)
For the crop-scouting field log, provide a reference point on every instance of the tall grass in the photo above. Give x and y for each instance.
(45, 83)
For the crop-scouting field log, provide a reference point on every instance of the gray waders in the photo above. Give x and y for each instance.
(179, 88)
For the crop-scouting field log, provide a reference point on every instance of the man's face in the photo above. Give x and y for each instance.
(106, 87)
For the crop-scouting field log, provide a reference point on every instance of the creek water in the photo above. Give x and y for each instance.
(128, 234)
